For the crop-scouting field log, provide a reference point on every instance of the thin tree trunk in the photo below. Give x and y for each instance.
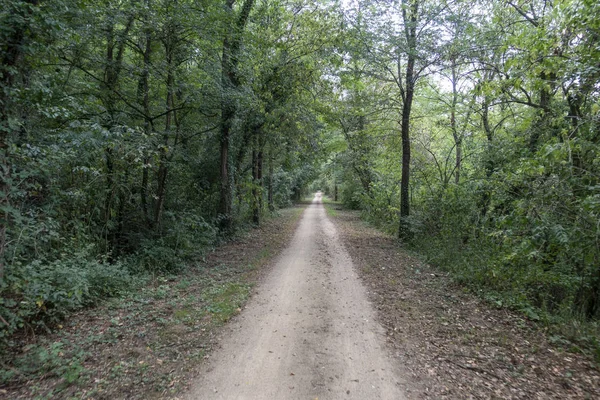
(5, 173)
(112, 73)
(255, 209)
(260, 179)
(229, 83)
(410, 15)
(270, 187)
(10, 70)
(544, 116)
(110, 83)
(248, 132)
(144, 99)
(257, 161)
(455, 134)
(163, 167)
(489, 163)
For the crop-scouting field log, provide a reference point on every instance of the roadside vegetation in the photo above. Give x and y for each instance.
(135, 138)
(451, 344)
(138, 135)
(479, 147)
(148, 342)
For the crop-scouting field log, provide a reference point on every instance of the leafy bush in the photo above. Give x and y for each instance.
(48, 359)
(40, 293)
(381, 206)
(157, 257)
(351, 193)
(186, 237)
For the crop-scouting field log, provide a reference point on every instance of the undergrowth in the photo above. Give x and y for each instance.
(86, 306)
(542, 297)
(503, 274)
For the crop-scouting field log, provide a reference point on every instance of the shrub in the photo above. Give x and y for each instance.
(40, 293)
(185, 237)
(157, 257)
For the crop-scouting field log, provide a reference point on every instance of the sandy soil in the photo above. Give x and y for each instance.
(309, 331)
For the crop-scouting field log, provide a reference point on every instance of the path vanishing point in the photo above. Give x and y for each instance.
(309, 332)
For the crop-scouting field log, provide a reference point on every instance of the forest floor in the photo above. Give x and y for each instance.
(163, 340)
(150, 343)
(454, 345)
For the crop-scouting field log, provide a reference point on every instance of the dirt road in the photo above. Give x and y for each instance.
(308, 333)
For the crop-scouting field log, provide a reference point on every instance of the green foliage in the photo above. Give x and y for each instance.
(110, 118)
(50, 360)
(157, 257)
(381, 206)
(187, 237)
(351, 194)
(116, 117)
(504, 172)
(41, 293)
(535, 246)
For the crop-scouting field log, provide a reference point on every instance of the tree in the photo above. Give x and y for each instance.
(16, 43)
(400, 41)
(230, 82)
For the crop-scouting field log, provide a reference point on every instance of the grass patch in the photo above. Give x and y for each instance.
(225, 301)
(331, 207)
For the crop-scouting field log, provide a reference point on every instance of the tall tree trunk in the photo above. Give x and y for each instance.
(10, 71)
(163, 169)
(270, 202)
(257, 161)
(144, 100)
(489, 162)
(110, 81)
(247, 137)
(404, 231)
(543, 119)
(255, 209)
(260, 178)
(229, 83)
(4, 193)
(110, 189)
(453, 126)
(410, 17)
(227, 115)
(112, 72)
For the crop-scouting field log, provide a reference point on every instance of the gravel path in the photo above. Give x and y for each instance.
(309, 331)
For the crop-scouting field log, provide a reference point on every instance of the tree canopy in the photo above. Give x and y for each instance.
(475, 129)
(135, 134)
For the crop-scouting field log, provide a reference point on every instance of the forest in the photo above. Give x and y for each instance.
(135, 135)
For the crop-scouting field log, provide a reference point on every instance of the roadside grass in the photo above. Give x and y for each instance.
(148, 343)
(331, 207)
(225, 301)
